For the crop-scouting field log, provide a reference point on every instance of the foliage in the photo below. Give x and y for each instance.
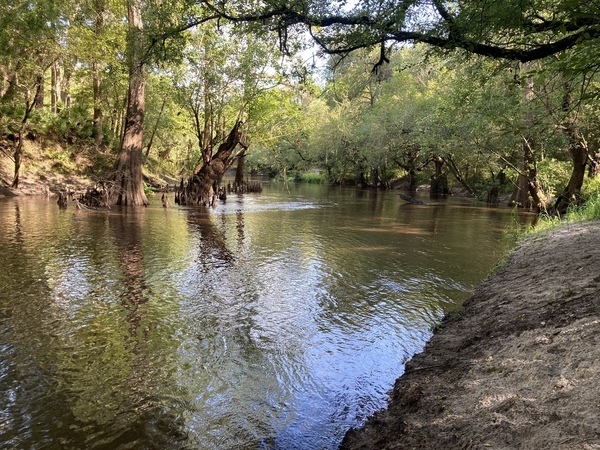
(356, 125)
(591, 189)
(554, 175)
(505, 29)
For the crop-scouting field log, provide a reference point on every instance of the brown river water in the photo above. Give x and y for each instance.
(274, 321)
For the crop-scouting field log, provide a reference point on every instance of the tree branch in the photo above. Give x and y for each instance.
(381, 31)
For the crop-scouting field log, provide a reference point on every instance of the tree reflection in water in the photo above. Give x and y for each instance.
(127, 229)
(154, 421)
(214, 252)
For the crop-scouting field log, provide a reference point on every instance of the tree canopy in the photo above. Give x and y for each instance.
(488, 92)
(509, 29)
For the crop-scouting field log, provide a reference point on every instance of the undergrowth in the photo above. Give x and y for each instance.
(590, 210)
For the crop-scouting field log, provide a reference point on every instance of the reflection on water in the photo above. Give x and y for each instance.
(274, 321)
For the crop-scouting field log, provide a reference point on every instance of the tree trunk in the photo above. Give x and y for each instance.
(98, 116)
(412, 180)
(54, 87)
(19, 143)
(594, 165)
(128, 188)
(96, 85)
(17, 157)
(439, 180)
(527, 181)
(38, 100)
(239, 172)
(499, 181)
(204, 187)
(528, 192)
(571, 196)
(578, 150)
(458, 174)
(149, 146)
(3, 80)
(12, 82)
(65, 92)
(520, 196)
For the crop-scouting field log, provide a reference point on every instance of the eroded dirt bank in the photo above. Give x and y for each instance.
(519, 368)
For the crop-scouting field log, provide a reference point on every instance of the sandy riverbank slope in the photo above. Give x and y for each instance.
(519, 368)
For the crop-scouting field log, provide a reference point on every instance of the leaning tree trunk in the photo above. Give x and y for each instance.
(449, 160)
(128, 186)
(204, 187)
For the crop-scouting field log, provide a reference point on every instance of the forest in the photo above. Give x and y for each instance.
(497, 101)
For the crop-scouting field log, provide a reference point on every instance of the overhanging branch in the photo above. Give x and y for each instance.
(541, 38)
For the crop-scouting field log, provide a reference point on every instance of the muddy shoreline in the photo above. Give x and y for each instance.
(516, 368)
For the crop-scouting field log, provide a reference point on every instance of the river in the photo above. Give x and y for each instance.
(274, 321)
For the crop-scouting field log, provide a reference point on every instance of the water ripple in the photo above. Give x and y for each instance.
(275, 321)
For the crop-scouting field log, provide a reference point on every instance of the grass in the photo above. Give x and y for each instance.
(312, 177)
(590, 210)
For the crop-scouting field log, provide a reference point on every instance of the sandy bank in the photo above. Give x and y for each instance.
(519, 368)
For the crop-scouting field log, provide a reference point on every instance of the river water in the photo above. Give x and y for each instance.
(275, 321)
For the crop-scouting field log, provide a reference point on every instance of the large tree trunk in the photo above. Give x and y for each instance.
(128, 188)
(239, 172)
(439, 180)
(204, 187)
(571, 196)
(578, 150)
(528, 190)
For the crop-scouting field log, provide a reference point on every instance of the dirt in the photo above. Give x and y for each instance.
(517, 368)
(40, 173)
(53, 169)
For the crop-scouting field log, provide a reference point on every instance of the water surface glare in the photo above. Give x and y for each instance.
(275, 321)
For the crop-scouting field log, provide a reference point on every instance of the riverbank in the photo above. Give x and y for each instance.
(517, 368)
(51, 170)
